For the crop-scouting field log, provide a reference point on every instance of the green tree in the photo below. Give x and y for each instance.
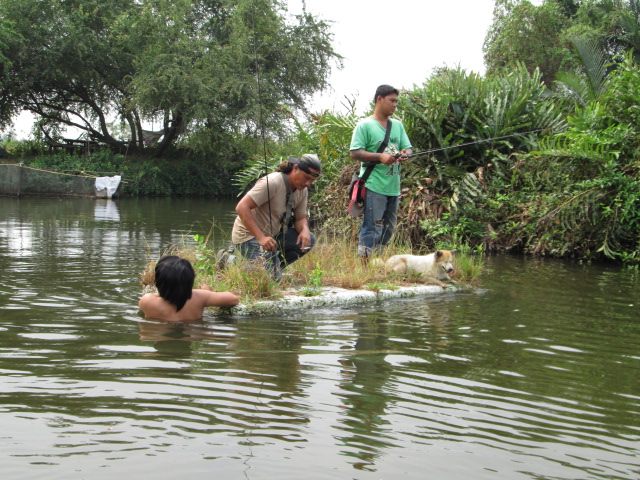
(7, 36)
(566, 36)
(62, 68)
(522, 32)
(630, 24)
(192, 66)
(613, 24)
(602, 32)
(589, 82)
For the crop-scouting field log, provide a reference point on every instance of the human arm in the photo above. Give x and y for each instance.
(145, 301)
(362, 155)
(154, 306)
(365, 141)
(217, 299)
(244, 210)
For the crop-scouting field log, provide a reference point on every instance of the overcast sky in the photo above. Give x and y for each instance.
(398, 42)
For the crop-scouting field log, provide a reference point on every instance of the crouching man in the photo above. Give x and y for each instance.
(262, 228)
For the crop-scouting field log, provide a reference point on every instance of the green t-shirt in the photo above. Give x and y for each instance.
(368, 135)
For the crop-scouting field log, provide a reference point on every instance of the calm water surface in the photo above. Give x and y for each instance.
(533, 376)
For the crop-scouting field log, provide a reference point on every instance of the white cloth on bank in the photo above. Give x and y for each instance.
(110, 183)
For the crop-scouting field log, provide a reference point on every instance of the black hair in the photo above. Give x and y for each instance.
(383, 91)
(285, 167)
(174, 280)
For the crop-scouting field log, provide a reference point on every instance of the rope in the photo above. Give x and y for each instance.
(86, 175)
(48, 171)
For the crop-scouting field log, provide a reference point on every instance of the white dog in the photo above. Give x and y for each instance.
(437, 265)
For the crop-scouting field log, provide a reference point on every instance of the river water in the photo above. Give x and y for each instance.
(535, 375)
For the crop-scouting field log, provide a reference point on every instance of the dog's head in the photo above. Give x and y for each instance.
(444, 259)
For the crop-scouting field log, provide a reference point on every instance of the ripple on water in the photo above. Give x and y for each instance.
(534, 376)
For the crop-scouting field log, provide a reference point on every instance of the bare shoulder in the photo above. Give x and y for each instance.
(148, 299)
(154, 306)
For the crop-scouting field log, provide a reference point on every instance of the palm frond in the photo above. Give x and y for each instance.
(595, 61)
(467, 191)
(253, 170)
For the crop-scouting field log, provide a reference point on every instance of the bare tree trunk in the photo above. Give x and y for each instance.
(173, 128)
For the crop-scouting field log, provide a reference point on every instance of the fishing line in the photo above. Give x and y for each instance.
(260, 119)
(264, 149)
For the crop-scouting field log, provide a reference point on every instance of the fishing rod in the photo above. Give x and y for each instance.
(426, 152)
(434, 150)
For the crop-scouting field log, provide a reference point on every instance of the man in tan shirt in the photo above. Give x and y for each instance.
(261, 228)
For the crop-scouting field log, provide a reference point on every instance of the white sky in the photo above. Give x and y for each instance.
(397, 42)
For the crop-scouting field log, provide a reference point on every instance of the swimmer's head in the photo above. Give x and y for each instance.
(174, 280)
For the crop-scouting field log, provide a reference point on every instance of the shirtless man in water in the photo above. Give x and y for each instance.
(177, 300)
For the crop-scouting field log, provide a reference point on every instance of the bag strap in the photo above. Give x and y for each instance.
(383, 145)
(289, 205)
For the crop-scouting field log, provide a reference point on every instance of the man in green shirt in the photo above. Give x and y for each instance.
(383, 185)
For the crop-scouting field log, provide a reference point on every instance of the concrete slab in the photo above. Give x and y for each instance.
(293, 302)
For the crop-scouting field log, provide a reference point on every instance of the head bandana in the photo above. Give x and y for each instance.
(307, 162)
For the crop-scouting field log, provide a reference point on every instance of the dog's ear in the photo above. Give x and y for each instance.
(455, 250)
(438, 253)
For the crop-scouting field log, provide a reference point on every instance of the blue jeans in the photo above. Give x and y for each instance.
(288, 252)
(379, 222)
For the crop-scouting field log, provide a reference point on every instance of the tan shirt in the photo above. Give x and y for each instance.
(276, 197)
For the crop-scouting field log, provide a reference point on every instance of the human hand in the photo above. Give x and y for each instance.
(402, 156)
(268, 243)
(304, 240)
(387, 158)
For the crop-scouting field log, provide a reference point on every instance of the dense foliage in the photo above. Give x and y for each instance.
(197, 68)
(585, 183)
(143, 176)
(544, 37)
(533, 35)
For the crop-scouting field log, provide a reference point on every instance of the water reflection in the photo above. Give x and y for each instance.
(173, 339)
(254, 369)
(366, 374)
(106, 210)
